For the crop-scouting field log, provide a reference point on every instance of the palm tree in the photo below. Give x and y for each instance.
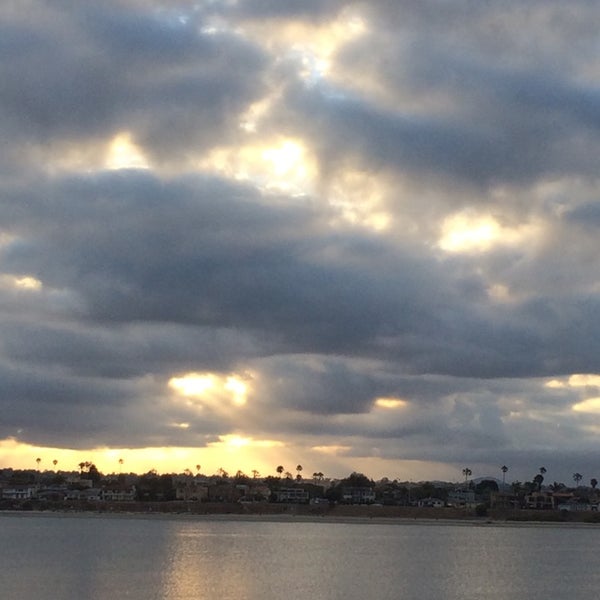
(280, 470)
(255, 474)
(288, 475)
(577, 477)
(298, 471)
(504, 469)
(198, 467)
(467, 473)
(55, 462)
(317, 476)
(538, 480)
(38, 461)
(593, 483)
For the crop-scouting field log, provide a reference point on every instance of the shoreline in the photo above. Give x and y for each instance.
(329, 519)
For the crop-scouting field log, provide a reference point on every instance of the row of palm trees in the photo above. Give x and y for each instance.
(538, 479)
(318, 476)
(280, 471)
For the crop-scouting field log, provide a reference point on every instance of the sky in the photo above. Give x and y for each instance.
(354, 236)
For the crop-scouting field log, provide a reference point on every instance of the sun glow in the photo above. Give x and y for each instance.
(286, 158)
(281, 164)
(390, 403)
(25, 282)
(193, 384)
(464, 234)
(332, 449)
(472, 233)
(591, 405)
(232, 452)
(358, 199)
(213, 389)
(576, 380)
(315, 45)
(123, 153)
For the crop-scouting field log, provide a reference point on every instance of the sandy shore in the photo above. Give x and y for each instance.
(291, 518)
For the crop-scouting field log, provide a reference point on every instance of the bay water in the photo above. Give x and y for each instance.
(101, 557)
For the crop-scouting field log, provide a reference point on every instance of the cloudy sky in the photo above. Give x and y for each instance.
(349, 235)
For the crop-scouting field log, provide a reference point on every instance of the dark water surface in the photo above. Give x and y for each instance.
(56, 557)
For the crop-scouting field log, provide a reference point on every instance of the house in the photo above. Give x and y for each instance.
(358, 495)
(118, 493)
(431, 503)
(91, 494)
(576, 505)
(190, 489)
(20, 492)
(52, 494)
(461, 497)
(294, 495)
(504, 500)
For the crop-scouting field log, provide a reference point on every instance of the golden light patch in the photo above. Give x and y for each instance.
(232, 453)
(238, 389)
(315, 44)
(124, 154)
(576, 380)
(193, 384)
(212, 389)
(555, 384)
(234, 441)
(286, 157)
(239, 441)
(461, 233)
(358, 199)
(468, 232)
(23, 283)
(277, 165)
(332, 449)
(584, 380)
(390, 403)
(591, 405)
(28, 283)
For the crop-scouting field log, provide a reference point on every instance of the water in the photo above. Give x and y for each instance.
(58, 557)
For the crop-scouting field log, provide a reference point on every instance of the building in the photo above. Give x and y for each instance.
(461, 497)
(431, 503)
(358, 495)
(20, 492)
(293, 495)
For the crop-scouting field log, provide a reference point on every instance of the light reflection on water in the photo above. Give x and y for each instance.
(101, 557)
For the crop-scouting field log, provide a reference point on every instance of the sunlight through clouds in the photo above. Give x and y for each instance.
(472, 233)
(357, 197)
(124, 154)
(283, 165)
(332, 449)
(577, 380)
(390, 403)
(211, 389)
(591, 405)
(24, 282)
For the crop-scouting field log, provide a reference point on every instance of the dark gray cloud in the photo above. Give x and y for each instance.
(97, 69)
(482, 118)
